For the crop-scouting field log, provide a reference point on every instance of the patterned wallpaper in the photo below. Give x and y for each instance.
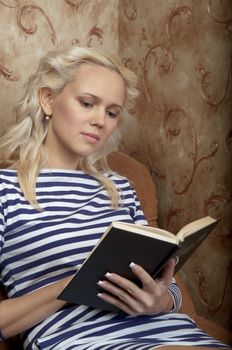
(30, 28)
(182, 52)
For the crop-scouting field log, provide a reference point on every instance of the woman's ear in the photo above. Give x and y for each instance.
(46, 100)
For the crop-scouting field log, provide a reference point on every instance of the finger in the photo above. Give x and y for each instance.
(126, 290)
(146, 279)
(118, 297)
(117, 302)
(125, 284)
(166, 275)
(116, 291)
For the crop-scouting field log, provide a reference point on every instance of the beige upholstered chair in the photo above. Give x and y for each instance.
(140, 178)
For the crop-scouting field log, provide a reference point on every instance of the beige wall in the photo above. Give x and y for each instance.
(182, 53)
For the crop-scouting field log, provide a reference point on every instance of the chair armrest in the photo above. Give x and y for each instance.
(140, 178)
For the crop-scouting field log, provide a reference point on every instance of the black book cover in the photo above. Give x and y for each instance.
(118, 248)
(114, 254)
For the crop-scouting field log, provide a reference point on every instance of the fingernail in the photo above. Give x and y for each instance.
(100, 283)
(108, 274)
(132, 265)
(99, 295)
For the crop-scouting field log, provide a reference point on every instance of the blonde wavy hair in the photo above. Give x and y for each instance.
(23, 145)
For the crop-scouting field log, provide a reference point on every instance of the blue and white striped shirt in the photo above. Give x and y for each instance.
(38, 248)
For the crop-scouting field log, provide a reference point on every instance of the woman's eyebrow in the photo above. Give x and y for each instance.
(97, 98)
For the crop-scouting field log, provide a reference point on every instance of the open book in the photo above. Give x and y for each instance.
(123, 243)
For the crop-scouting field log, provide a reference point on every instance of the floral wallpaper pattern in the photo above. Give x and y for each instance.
(182, 52)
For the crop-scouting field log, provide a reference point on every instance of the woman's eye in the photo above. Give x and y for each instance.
(86, 104)
(112, 114)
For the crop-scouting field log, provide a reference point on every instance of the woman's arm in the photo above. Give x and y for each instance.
(19, 314)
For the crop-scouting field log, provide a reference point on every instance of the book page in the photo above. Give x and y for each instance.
(195, 226)
(147, 231)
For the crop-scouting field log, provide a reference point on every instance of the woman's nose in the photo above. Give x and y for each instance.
(98, 118)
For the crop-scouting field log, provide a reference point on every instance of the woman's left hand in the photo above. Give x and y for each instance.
(152, 298)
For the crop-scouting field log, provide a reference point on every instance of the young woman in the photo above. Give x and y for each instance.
(57, 198)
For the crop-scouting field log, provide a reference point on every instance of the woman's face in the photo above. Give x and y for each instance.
(84, 115)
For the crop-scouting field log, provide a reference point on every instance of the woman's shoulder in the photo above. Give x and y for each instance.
(7, 173)
(115, 176)
(119, 179)
(8, 180)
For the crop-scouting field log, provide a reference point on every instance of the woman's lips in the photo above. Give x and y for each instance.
(92, 138)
